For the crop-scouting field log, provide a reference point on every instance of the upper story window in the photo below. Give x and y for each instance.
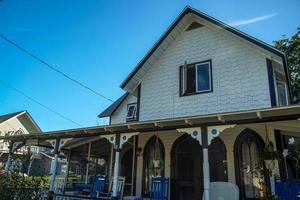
(281, 88)
(196, 78)
(131, 112)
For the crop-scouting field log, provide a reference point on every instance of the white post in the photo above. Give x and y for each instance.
(116, 167)
(116, 173)
(53, 170)
(206, 177)
(88, 165)
(67, 170)
(111, 161)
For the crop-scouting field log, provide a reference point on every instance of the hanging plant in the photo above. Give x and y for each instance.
(268, 153)
(294, 153)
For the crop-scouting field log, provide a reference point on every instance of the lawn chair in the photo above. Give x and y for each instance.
(120, 188)
(223, 191)
(159, 189)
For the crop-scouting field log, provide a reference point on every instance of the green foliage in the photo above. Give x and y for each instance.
(291, 47)
(294, 155)
(18, 187)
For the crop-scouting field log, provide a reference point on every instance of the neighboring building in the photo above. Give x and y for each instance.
(17, 123)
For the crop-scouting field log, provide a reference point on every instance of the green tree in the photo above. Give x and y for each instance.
(291, 47)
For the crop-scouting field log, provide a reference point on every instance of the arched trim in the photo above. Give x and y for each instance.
(217, 155)
(179, 140)
(150, 145)
(186, 168)
(244, 135)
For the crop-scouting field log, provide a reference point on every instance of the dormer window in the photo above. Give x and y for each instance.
(131, 112)
(196, 78)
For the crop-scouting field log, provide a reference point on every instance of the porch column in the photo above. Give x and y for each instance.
(117, 141)
(206, 173)
(88, 165)
(7, 164)
(67, 170)
(53, 169)
(116, 167)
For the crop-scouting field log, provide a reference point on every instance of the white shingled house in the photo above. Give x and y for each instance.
(17, 123)
(201, 106)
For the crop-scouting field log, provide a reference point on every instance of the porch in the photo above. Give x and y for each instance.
(191, 152)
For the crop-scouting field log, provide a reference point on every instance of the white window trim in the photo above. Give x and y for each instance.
(276, 89)
(285, 90)
(209, 76)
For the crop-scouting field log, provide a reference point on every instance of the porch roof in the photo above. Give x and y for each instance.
(291, 112)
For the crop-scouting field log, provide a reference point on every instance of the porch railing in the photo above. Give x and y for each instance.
(75, 197)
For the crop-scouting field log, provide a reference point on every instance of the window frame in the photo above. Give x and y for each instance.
(285, 91)
(134, 115)
(276, 81)
(183, 78)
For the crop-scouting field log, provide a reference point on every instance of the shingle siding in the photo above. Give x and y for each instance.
(239, 77)
(239, 73)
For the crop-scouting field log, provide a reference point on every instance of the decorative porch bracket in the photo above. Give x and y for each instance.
(117, 140)
(215, 131)
(194, 132)
(125, 137)
(12, 148)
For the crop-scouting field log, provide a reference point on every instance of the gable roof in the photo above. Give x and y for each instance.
(111, 109)
(5, 117)
(187, 11)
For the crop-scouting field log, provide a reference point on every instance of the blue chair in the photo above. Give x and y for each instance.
(287, 190)
(120, 188)
(294, 187)
(159, 189)
(98, 186)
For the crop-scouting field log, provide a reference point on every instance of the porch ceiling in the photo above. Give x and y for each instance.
(89, 133)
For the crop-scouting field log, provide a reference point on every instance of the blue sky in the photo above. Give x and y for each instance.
(99, 42)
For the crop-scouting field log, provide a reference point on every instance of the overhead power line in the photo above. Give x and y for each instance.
(53, 68)
(37, 102)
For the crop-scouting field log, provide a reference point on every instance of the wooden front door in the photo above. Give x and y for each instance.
(186, 169)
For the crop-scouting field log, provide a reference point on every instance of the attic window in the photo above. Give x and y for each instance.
(194, 25)
(196, 78)
(131, 112)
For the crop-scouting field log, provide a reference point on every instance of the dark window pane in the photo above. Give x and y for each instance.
(190, 80)
(281, 92)
(131, 111)
(203, 77)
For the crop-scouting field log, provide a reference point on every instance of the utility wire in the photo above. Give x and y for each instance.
(53, 68)
(37, 102)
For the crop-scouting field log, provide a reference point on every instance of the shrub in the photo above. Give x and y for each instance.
(19, 187)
